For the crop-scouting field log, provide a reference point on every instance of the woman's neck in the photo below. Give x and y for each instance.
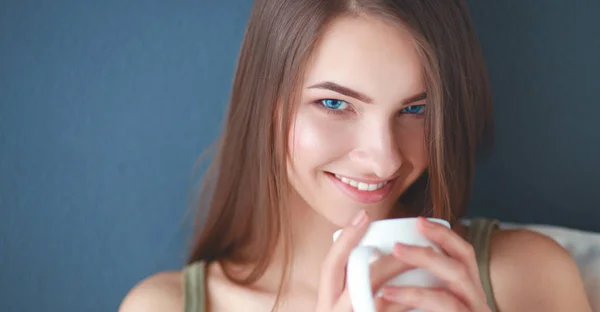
(310, 241)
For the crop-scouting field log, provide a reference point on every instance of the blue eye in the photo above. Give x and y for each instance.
(334, 104)
(414, 109)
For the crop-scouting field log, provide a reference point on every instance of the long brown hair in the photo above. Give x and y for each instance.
(246, 185)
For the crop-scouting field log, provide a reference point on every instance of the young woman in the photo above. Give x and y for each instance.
(344, 112)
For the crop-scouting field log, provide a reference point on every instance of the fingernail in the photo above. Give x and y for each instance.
(395, 294)
(399, 245)
(426, 222)
(359, 219)
(398, 248)
(390, 292)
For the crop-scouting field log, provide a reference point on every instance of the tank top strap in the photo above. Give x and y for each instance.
(194, 287)
(479, 234)
(480, 231)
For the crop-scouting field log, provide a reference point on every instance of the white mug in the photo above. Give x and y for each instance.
(380, 239)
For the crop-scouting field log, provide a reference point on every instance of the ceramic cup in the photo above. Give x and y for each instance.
(379, 240)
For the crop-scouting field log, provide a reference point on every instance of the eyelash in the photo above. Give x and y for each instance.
(322, 105)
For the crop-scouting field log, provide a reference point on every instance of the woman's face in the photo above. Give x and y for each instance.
(357, 140)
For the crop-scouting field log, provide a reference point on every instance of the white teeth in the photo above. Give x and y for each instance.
(361, 185)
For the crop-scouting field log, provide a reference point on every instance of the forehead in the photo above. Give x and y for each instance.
(368, 54)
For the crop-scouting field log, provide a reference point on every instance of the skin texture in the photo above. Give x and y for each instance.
(366, 140)
(382, 139)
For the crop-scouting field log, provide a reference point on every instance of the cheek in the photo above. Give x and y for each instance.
(316, 140)
(412, 146)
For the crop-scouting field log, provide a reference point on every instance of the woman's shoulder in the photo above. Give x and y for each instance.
(162, 291)
(532, 272)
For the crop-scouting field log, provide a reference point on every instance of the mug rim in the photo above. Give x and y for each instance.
(394, 220)
(436, 220)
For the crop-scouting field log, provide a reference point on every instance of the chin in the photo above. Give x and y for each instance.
(342, 217)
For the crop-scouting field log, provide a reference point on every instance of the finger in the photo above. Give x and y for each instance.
(382, 305)
(425, 299)
(455, 274)
(333, 267)
(343, 303)
(452, 244)
(385, 268)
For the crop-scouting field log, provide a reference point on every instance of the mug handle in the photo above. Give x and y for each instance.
(358, 278)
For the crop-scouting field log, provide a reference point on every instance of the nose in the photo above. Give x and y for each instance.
(377, 152)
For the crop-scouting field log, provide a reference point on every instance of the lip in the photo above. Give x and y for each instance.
(365, 197)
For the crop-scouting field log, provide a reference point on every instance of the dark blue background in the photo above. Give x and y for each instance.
(106, 105)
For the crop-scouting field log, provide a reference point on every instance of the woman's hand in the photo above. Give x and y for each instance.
(457, 268)
(333, 295)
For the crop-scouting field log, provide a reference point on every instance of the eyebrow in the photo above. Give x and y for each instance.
(328, 85)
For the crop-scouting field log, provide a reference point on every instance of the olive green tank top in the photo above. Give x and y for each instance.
(478, 236)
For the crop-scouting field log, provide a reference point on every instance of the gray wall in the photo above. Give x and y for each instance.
(105, 105)
(544, 63)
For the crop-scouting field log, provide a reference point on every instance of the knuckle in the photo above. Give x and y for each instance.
(377, 278)
(461, 273)
(417, 292)
(430, 252)
(438, 233)
(469, 251)
(331, 262)
(328, 264)
(383, 269)
(415, 295)
(454, 305)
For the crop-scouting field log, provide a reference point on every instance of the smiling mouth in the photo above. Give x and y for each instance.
(361, 186)
(363, 191)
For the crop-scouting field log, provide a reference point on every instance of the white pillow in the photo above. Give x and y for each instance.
(583, 246)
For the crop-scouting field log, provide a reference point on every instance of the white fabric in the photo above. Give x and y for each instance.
(583, 246)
